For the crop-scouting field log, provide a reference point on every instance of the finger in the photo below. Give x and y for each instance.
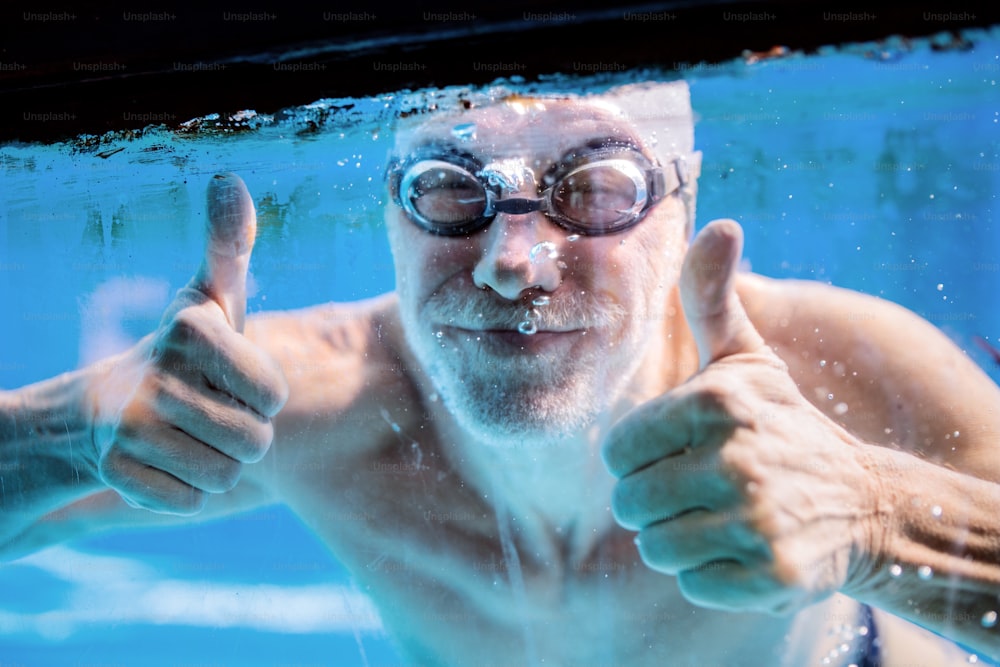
(670, 487)
(178, 454)
(213, 418)
(149, 488)
(713, 310)
(695, 540)
(734, 586)
(664, 427)
(203, 349)
(231, 228)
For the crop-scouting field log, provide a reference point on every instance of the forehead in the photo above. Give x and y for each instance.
(518, 128)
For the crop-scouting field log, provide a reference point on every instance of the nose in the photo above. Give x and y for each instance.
(520, 252)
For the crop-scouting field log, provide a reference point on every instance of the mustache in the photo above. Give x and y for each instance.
(483, 309)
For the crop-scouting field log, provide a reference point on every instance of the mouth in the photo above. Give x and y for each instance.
(511, 341)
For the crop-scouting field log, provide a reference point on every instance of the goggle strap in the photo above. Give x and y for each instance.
(666, 181)
(517, 206)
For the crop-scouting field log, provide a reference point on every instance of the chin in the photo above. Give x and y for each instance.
(523, 421)
(525, 405)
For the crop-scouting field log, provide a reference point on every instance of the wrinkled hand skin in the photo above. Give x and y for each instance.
(177, 416)
(736, 484)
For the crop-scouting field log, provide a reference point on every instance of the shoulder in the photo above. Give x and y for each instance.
(335, 337)
(880, 370)
(783, 306)
(822, 323)
(341, 360)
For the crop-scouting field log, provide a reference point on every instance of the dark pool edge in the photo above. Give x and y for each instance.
(69, 72)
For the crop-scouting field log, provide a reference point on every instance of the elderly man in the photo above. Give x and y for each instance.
(606, 445)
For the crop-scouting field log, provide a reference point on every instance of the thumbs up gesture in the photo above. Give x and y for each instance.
(178, 415)
(735, 483)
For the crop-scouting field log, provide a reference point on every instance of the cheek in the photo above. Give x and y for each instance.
(423, 261)
(398, 236)
(662, 245)
(644, 261)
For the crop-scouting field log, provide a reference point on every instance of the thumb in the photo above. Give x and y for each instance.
(231, 228)
(708, 294)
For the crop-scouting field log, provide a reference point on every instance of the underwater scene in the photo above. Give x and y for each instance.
(872, 166)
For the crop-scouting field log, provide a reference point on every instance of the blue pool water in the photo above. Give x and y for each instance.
(870, 167)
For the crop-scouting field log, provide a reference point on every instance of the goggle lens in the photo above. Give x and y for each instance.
(445, 194)
(598, 195)
(595, 198)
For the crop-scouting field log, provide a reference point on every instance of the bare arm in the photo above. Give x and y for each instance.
(46, 454)
(162, 426)
(931, 419)
(933, 552)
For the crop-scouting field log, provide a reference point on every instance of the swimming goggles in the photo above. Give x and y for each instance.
(598, 191)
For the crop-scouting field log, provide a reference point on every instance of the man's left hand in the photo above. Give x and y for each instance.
(738, 485)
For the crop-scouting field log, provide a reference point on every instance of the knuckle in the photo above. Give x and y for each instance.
(279, 392)
(249, 440)
(221, 475)
(271, 387)
(129, 429)
(112, 466)
(188, 502)
(742, 466)
(619, 503)
(258, 442)
(211, 472)
(629, 504)
(185, 502)
(709, 395)
(183, 330)
(652, 550)
(228, 475)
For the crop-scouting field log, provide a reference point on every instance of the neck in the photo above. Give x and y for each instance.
(556, 494)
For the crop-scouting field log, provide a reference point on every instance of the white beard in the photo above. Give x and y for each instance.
(531, 400)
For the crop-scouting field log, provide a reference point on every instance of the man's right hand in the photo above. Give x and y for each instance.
(178, 415)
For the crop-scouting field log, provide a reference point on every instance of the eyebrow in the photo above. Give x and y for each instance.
(596, 144)
(428, 150)
(444, 147)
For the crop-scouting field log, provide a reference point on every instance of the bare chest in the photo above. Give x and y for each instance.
(454, 586)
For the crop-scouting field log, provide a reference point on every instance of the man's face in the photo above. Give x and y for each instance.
(603, 299)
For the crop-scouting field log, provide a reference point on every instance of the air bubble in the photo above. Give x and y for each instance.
(573, 237)
(925, 572)
(989, 619)
(896, 570)
(542, 251)
(464, 131)
(540, 301)
(936, 511)
(529, 326)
